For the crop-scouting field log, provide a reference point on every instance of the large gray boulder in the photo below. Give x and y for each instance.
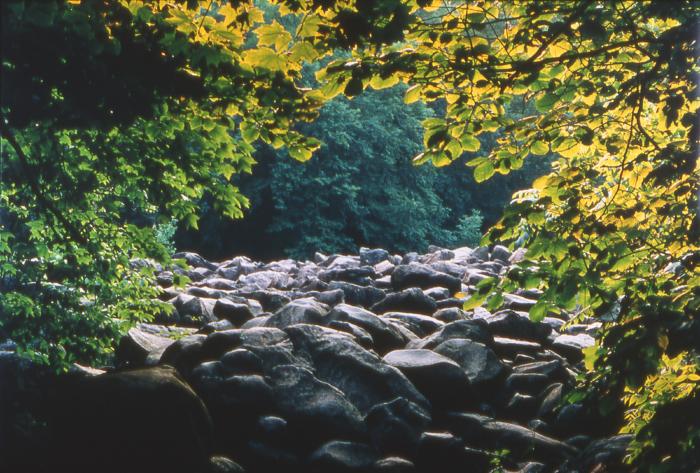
(508, 323)
(373, 256)
(408, 300)
(299, 311)
(359, 374)
(422, 276)
(364, 296)
(194, 311)
(470, 329)
(479, 362)
(141, 346)
(265, 280)
(385, 336)
(571, 346)
(440, 379)
(234, 312)
(421, 325)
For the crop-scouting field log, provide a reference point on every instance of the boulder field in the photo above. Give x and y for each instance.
(348, 363)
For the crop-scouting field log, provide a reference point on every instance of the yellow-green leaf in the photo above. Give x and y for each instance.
(483, 171)
(265, 58)
(300, 153)
(539, 148)
(412, 94)
(303, 51)
(470, 143)
(546, 102)
(274, 35)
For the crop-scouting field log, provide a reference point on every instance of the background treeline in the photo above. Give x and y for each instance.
(360, 189)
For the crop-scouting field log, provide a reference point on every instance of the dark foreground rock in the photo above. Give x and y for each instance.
(152, 418)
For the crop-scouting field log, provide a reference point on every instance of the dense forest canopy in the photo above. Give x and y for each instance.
(122, 108)
(359, 189)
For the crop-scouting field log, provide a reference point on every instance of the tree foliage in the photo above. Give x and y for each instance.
(113, 106)
(359, 189)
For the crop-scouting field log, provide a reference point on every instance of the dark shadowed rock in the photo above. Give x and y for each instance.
(263, 457)
(272, 429)
(198, 274)
(184, 354)
(360, 275)
(270, 300)
(450, 314)
(551, 400)
(360, 335)
(194, 260)
(408, 300)
(358, 373)
(373, 256)
(601, 455)
(422, 276)
(194, 310)
(219, 464)
(341, 457)
(393, 465)
(313, 408)
(395, 427)
(331, 297)
(523, 443)
(444, 452)
(241, 361)
(207, 292)
(527, 383)
(364, 296)
(165, 279)
(216, 326)
(553, 369)
(448, 267)
(100, 412)
(500, 253)
(258, 321)
(521, 407)
(481, 253)
(508, 323)
(234, 312)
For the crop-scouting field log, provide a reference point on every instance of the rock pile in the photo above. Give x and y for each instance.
(367, 363)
